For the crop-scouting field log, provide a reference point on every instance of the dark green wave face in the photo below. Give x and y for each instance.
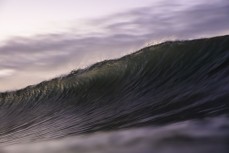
(161, 84)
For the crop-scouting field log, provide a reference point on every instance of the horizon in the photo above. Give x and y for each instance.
(50, 41)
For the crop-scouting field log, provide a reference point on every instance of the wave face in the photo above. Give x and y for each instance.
(161, 84)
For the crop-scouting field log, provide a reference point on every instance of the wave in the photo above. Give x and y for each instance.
(160, 84)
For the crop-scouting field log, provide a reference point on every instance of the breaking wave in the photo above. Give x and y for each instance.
(159, 86)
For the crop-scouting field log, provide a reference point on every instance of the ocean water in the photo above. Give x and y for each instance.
(168, 98)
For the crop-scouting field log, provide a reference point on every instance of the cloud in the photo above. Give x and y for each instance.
(6, 72)
(46, 56)
(176, 19)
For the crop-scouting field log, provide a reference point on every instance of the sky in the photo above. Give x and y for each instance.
(43, 39)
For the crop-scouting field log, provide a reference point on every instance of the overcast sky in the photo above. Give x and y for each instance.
(42, 39)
